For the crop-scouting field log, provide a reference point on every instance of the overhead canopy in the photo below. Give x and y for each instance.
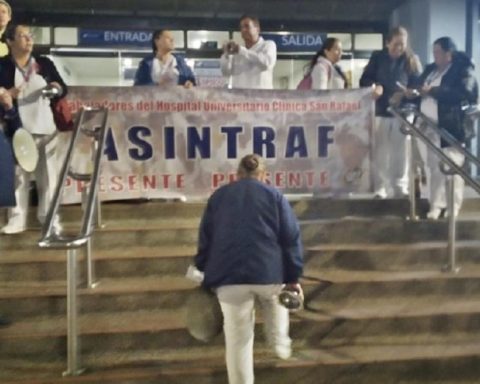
(274, 14)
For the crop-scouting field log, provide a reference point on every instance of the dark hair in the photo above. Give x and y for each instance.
(10, 30)
(155, 35)
(413, 65)
(326, 46)
(254, 19)
(251, 166)
(446, 43)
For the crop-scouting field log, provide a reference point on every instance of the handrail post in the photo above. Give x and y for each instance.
(98, 212)
(91, 280)
(73, 342)
(411, 178)
(89, 266)
(452, 263)
(50, 239)
(98, 202)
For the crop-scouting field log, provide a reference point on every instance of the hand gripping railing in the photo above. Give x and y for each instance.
(52, 239)
(448, 167)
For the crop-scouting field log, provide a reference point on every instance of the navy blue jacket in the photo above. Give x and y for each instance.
(457, 88)
(46, 69)
(7, 160)
(385, 71)
(249, 235)
(143, 76)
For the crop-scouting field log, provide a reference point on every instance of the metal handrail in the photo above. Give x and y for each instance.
(454, 169)
(51, 239)
(445, 135)
(397, 112)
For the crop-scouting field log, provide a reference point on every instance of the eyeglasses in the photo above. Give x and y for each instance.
(26, 36)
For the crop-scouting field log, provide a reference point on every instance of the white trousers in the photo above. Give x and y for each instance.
(46, 176)
(390, 165)
(237, 303)
(437, 179)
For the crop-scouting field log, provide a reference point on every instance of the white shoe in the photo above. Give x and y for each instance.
(381, 193)
(455, 213)
(434, 213)
(13, 226)
(283, 352)
(57, 227)
(400, 193)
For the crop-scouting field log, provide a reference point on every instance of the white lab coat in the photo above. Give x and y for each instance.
(252, 68)
(325, 76)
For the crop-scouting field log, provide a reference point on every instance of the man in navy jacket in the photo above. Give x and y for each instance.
(249, 247)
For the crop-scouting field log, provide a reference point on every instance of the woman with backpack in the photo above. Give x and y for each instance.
(323, 71)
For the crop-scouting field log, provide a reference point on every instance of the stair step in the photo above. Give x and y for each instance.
(347, 230)
(23, 265)
(368, 364)
(324, 287)
(401, 318)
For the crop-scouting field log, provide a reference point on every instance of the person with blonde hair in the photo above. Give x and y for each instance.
(249, 248)
(5, 17)
(390, 71)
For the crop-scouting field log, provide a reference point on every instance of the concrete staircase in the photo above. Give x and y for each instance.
(378, 309)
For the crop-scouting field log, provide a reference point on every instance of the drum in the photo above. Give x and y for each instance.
(25, 150)
(204, 317)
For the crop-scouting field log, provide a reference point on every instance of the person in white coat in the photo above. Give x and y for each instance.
(323, 69)
(250, 66)
(389, 72)
(446, 86)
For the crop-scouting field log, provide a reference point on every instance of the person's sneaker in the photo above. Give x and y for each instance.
(13, 226)
(57, 227)
(400, 193)
(283, 352)
(434, 213)
(380, 193)
(455, 213)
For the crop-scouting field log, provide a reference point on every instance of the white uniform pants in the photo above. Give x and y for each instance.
(237, 303)
(390, 165)
(437, 179)
(46, 177)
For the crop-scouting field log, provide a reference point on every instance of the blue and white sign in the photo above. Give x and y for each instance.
(95, 37)
(296, 42)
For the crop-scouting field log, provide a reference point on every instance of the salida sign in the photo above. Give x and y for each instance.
(296, 42)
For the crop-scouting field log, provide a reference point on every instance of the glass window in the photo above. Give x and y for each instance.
(368, 41)
(206, 39)
(237, 37)
(345, 39)
(66, 36)
(91, 71)
(41, 35)
(179, 38)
